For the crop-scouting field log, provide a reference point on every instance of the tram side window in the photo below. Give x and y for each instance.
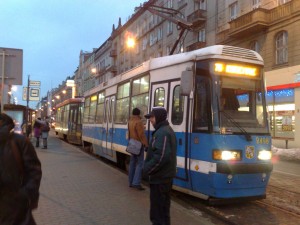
(92, 111)
(100, 108)
(86, 110)
(122, 103)
(159, 97)
(140, 94)
(178, 106)
(66, 116)
(201, 116)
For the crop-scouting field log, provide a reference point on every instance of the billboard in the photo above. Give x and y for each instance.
(13, 65)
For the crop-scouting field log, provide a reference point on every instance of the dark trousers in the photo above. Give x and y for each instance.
(37, 143)
(160, 202)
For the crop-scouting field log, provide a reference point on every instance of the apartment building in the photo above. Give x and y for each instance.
(270, 27)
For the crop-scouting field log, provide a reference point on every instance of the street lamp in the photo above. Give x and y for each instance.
(130, 42)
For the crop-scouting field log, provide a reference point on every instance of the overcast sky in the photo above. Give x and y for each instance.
(52, 33)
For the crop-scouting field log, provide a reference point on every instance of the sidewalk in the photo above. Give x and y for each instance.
(79, 189)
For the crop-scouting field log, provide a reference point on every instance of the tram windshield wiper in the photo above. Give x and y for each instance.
(236, 124)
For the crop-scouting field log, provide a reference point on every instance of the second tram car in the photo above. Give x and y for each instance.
(215, 98)
(68, 124)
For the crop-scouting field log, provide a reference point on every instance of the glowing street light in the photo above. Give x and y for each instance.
(130, 42)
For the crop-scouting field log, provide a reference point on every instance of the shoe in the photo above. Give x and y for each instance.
(44, 147)
(139, 187)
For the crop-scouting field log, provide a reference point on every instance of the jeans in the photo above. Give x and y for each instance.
(135, 168)
(160, 202)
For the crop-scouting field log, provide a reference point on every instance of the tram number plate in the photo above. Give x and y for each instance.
(262, 140)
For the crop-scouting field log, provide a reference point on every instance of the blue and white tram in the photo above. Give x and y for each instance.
(215, 98)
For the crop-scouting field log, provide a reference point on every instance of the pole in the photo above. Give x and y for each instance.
(27, 105)
(2, 81)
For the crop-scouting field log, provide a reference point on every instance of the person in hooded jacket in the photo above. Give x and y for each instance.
(20, 176)
(160, 166)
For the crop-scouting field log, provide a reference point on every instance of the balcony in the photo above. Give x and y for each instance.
(261, 19)
(113, 53)
(113, 69)
(250, 23)
(197, 18)
(196, 45)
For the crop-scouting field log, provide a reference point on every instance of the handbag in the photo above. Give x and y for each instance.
(134, 147)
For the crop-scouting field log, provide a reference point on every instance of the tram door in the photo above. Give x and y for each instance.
(168, 95)
(108, 125)
(73, 120)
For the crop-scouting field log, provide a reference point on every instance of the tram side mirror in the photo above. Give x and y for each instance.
(186, 82)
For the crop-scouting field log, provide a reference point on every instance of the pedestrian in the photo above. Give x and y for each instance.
(160, 166)
(20, 176)
(45, 128)
(136, 131)
(37, 131)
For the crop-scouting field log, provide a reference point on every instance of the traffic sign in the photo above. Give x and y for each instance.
(34, 83)
(34, 94)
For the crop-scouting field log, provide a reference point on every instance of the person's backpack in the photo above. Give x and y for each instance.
(45, 127)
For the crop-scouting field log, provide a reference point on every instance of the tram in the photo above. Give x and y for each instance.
(68, 124)
(215, 99)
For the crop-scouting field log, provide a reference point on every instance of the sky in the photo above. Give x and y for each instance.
(53, 32)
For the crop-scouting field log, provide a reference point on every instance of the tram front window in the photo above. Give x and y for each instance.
(241, 105)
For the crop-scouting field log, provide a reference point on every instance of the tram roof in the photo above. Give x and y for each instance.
(215, 51)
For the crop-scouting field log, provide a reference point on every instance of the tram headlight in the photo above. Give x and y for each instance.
(264, 155)
(226, 155)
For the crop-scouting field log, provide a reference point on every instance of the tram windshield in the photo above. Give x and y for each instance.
(233, 104)
(241, 105)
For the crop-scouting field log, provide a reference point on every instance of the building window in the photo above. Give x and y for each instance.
(202, 4)
(256, 4)
(169, 27)
(282, 47)
(145, 41)
(254, 46)
(159, 33)
(153, 39)
(168, 50)
(281, 2)
(233, 10)
(170, 4)
(201, 35)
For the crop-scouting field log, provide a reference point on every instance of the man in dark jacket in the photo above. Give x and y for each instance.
(20, 176)
(160, 166)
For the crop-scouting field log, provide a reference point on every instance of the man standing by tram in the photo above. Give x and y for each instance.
(160, 166)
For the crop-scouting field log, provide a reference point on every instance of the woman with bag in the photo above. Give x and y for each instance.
(136, 131)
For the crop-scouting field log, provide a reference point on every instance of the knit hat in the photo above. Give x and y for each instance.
(160, 114)
(136, 112)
